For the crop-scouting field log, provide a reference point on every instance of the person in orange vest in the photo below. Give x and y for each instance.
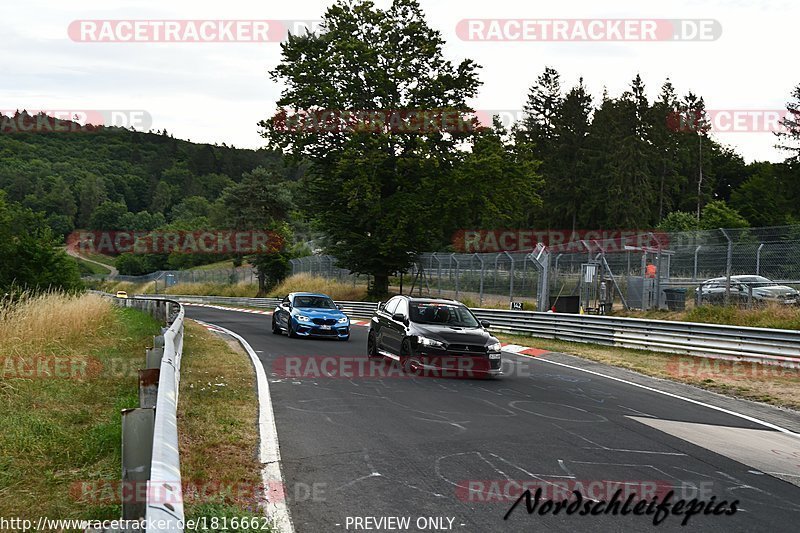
(650, 270)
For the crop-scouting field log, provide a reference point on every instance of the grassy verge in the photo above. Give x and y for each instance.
(129, 287)
(100, 258)
(217, 418)
(337, 290)
(91, 269)
(751, 381)
(244, 290)
(771, 316)
(68, 368)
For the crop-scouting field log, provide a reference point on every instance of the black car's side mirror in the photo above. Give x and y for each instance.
(380, 306)
(399, 317)
(485, 323)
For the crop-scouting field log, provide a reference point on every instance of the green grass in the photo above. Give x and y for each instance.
(220, 265)
(91, 269)
(770, 316)
(244, 290)
(58, 432)
(220, 422)
(100, 258)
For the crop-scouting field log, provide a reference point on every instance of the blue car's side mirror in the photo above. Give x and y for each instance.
(339, 307)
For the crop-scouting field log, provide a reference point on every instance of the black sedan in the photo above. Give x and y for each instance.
(434, 337)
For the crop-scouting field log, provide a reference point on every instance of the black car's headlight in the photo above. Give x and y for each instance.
(431, 343)
(494, 347)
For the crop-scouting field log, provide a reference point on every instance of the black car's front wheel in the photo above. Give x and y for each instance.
(407, 360)
(372, 345)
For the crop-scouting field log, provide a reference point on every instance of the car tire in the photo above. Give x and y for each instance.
(344, 339)
(292, 334)
(276, 330)
(406, 359)
(372, 346)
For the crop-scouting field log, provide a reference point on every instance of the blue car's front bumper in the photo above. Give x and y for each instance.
(305, 329)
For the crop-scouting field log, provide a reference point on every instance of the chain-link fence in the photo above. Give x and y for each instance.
(637, 271)
(168, 278)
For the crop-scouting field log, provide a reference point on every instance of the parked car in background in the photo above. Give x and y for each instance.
(304, 314)
(763, 291)
(122, 294)
(436, 337)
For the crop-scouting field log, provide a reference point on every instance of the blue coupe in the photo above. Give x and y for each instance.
(304, 314)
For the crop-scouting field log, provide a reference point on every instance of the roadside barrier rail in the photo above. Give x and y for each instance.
(150, 455)
(762, 345)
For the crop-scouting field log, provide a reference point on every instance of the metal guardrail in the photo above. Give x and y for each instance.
(150, 432)
(353, 309)
(768, 346)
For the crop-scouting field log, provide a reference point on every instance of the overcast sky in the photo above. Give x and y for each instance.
(217, 92)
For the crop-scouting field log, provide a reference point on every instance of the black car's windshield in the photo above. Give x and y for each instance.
(314, 302)
(442, 314)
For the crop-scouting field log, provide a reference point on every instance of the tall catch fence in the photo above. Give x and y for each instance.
(603, 271)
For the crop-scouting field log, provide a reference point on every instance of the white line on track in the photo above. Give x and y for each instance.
(269, 450)
(671, 395)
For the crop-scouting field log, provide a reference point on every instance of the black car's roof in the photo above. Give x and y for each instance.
(430, 300)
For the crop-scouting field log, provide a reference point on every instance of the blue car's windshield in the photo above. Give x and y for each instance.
(314, 302)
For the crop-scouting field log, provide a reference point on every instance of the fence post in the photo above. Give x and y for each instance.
(458, 272)
(438, 272)
(511, 278)
(696, 251)
(480, 258)
(758, 259)
(728, 268)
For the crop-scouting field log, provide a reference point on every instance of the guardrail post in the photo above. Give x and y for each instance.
(148, 387)
(153, 357)
(137, 453)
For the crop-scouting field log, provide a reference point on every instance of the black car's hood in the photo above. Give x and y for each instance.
(450, 334)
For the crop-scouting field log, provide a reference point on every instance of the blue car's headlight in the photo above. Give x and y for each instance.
(343, 320)
(301, 318)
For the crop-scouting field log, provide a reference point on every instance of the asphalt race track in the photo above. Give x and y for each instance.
(447, 453)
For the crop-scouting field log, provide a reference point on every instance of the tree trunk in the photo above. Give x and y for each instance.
(262, 284)
(380, 285)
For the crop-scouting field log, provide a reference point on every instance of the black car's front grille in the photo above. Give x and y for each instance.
(466, 348)
(324, 321)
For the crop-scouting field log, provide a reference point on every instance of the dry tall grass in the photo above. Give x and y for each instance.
(51, 322)
(241, 290)
(309, 283)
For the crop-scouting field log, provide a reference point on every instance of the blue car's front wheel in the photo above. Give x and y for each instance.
(292, 334)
